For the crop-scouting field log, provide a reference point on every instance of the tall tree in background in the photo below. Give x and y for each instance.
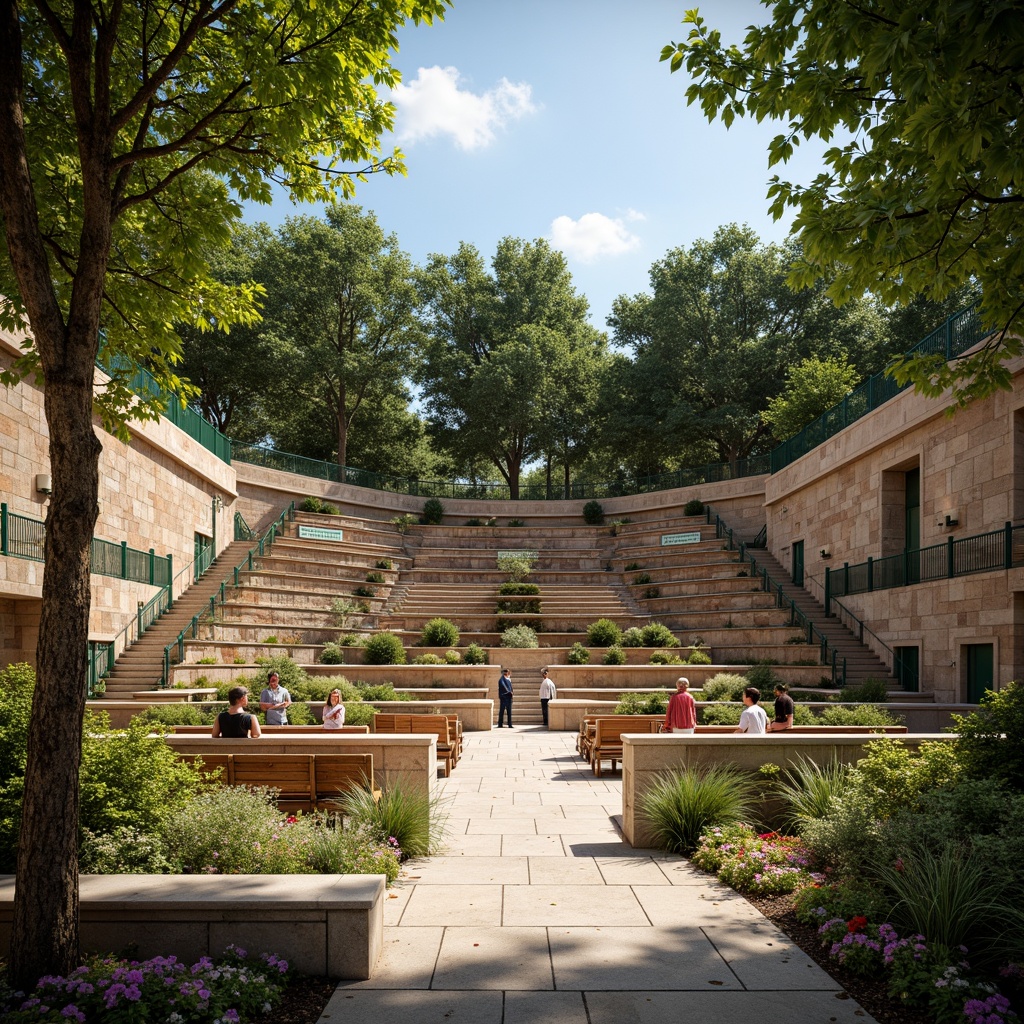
(110, 113)
(716, 335)
(341, 306)
(495, 341)
(926, 197)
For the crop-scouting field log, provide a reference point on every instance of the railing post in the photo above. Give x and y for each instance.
(950, 561)
(3, 528)
(124, 559)
(1008, 546)
(167, 667)
(743, 550)
(828, 592)
(792, 613)
(871, 575)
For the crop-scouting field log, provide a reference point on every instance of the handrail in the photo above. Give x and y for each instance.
(265, 541)
(827, 654)
(243, 531)
(889, 658)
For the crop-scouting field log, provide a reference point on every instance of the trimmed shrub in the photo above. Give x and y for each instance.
(665, 658)
(615, 655)
(694, 507)
(652, 592)
(452, 657)
(474, 654)
(593, 513)
(698, 656)
(519, 636)
(385, 648)
(176, 714)
(330, 510)
(764, 677)
(720, 714)
(332, 654)
(508, 607)
(604, 633)
(293, 675)
(365, 592)
(681, 804)
(428, 659)
(383, 563)
(501, 624)
(641, 578)
(991, 740)
(433, 511)
(312, 504)
(657, 635)
(725, 686)
(859, 714)
(633, 637)
(375, 577)
(578, 654)
(381, 691)
(516, 567)
(440, 633)
(359, 713)
(522, 589)
(871, 691)
(642, 704)
(631, 567)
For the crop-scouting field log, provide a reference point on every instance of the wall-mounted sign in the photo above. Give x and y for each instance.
(319, 533)
(681, 538)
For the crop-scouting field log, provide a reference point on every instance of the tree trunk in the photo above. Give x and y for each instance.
(45, 927)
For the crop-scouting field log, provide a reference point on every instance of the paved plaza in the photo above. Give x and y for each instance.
(537, 912)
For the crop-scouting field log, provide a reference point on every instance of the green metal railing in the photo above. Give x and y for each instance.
(953, 338)
(243, 531)
(983, 552)
(192, 629)
(827, 654)
(25, 537)
(142, 382)
(711, 472)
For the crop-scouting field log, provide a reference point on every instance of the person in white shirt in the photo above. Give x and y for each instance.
(753, 721)
(334, 711)
(547, 692)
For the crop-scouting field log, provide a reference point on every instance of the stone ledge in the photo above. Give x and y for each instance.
(323, 925)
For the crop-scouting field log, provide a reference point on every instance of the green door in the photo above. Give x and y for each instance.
(912, 525)
(980, 675)
(908, 668)
(798, 562)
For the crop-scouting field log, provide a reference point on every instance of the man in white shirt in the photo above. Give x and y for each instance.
(274, 700)
(547, 692)
(753, 721)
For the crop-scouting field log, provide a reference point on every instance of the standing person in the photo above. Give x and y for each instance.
(753, 720)
(334, 710)
(681, 713)
(275, 700)
(783, 709)
(236, 723)
(547, 693)
(505, 697)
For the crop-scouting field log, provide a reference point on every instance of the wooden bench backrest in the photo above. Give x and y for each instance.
(385, 721)
(290, 773)
(436, 724)
(606, 729)
(338, 773)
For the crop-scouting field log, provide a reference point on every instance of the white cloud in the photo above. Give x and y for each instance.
(594, 235)
(433, 104)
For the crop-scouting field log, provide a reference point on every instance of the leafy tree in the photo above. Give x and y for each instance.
(714, 338)
(494, 343)
(341, 307)
(925, 196)
(128, 133)
(814, 386)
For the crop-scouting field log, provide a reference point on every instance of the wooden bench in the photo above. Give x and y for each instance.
(436, 725)
(585, 737)
(607, 742)
(306, 782)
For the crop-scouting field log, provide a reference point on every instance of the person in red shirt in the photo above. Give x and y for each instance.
(681, 714)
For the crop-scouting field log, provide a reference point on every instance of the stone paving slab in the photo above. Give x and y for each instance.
(412, 1007)
(574, 905)
(545, 1008)
(630, 871)
(532, 846)
(696, 905)
(454, 904)
(472, 871)
(407, 960)
(564, 871)
(494, 958)
(763, 957)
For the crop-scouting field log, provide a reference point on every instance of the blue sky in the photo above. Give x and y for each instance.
(555, 119)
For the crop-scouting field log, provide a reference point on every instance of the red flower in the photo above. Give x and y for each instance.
(857, 924)
(899, 865)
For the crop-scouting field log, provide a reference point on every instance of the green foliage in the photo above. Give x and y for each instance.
(501, 624)
(642, 704)
(474, 654)
(123, 851)
(433, 511)
(516, 567)
(177, 714)
(16, 682)
(519, 636)
(665, 658)
(633, 637)
(859, 714)
(896, 776)
(652, 592)
(440, 633)
(764, 677)
(383, 563)
(331, 510)
(452, 657)
(416, 820)
(524, 589)
(593, 513)
(343, 611)
(293, 676)
(359, 714)
(631, 567)
(403, 522)
(384, 648)
(720, 714)
(428, 659)
(725, 686)
(871, 691)
(808, 789)
(577, 654)
(680, 805)
(317, 689)
(698, 656)
(381, 692)
(924, 188)
(694, 507)
(641, 578)
(603, 633)
(813, 386)
(508, 607)
(516, 522)
(375, 577)
(332, 654)
(129, 778)
(991, 739)
(615, 655)
(312, 504)
(332, 849)
(768, 865)
(657, 635)
(364, 592)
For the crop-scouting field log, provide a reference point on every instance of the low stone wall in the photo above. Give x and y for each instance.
(329, 925)
(566, 715)
(410, 761)
(645, 756)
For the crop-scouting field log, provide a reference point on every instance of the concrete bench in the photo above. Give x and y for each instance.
(306, 782)
(297, 730)
(323, 925)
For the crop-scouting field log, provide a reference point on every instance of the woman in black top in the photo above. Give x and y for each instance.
(236, 722)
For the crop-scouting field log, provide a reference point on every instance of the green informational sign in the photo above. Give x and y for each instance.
(681, 538)
(319, 533)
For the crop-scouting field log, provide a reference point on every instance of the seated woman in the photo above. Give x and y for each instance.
(236, 722)
(334, 711)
